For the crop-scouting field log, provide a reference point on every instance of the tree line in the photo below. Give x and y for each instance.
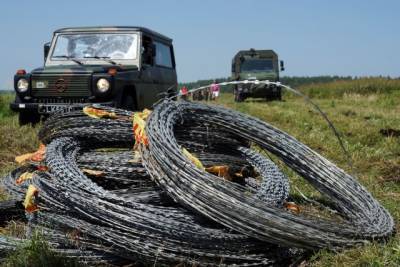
(294, 81)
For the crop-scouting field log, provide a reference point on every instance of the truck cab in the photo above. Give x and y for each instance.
(124, 67)
(256, 65)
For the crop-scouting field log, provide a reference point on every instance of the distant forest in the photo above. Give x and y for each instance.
(293, 81)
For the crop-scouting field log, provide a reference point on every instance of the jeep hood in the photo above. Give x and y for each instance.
(84, 69)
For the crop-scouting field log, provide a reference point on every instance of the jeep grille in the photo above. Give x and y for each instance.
(61, 86)
(61, 101)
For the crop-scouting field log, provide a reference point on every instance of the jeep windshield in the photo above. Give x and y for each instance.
(96, 47)
(256, 65)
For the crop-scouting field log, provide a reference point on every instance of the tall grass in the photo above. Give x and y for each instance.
(14, 140)
(5, 100)
(362, 86)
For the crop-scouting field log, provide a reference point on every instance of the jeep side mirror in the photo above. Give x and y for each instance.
(282, 65)
(46, 49)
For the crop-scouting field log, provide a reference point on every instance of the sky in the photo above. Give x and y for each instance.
(341, 37)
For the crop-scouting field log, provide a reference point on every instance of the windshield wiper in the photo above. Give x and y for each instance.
(105, 59)
(69, 58)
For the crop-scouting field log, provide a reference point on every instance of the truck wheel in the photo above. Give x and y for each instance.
(275, 96)
(279, 95)
(25, 118)
(238, 97)
(272, 96)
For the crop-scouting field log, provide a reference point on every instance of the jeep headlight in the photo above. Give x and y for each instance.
(22, 85)
(103, 85)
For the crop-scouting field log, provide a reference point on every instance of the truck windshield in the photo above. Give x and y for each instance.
(98, 46)
(256, 65)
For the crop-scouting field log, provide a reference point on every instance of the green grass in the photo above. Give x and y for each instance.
(5, 99)
(362, 86)
(358, 111)
(15, 140)
(358, 117)
(37, 253)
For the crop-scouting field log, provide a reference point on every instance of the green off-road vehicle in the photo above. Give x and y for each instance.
(256, 65)
(126, 67)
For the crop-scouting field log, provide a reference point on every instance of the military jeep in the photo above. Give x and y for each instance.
(256, 65)
(125, 67)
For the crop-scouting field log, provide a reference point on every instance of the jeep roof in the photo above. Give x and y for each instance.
(113, 29)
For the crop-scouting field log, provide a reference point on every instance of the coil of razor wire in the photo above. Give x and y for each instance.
(226, 203)
(159, 207)
(70, 188)
(172, 228)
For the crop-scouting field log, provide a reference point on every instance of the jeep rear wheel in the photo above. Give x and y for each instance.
(25, 118)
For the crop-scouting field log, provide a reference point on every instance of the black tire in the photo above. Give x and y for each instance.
(239, 97)
(128, 102)
(25, 118)
(279, 94)
(276, 96)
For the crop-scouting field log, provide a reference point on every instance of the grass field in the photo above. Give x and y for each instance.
(14, 139)
(361, 110)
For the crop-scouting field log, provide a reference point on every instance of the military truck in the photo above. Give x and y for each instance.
(125, 67)
(256, 65)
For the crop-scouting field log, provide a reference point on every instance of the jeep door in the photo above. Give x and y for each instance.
(165, 67)
(146, 89)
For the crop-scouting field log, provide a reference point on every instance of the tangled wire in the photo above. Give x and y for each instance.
(200, 191)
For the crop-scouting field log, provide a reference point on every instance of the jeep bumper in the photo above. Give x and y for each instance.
(42, 108)
(258, 90)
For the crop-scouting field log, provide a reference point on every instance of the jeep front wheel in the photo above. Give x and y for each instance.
(25, 118)
(128, 102)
